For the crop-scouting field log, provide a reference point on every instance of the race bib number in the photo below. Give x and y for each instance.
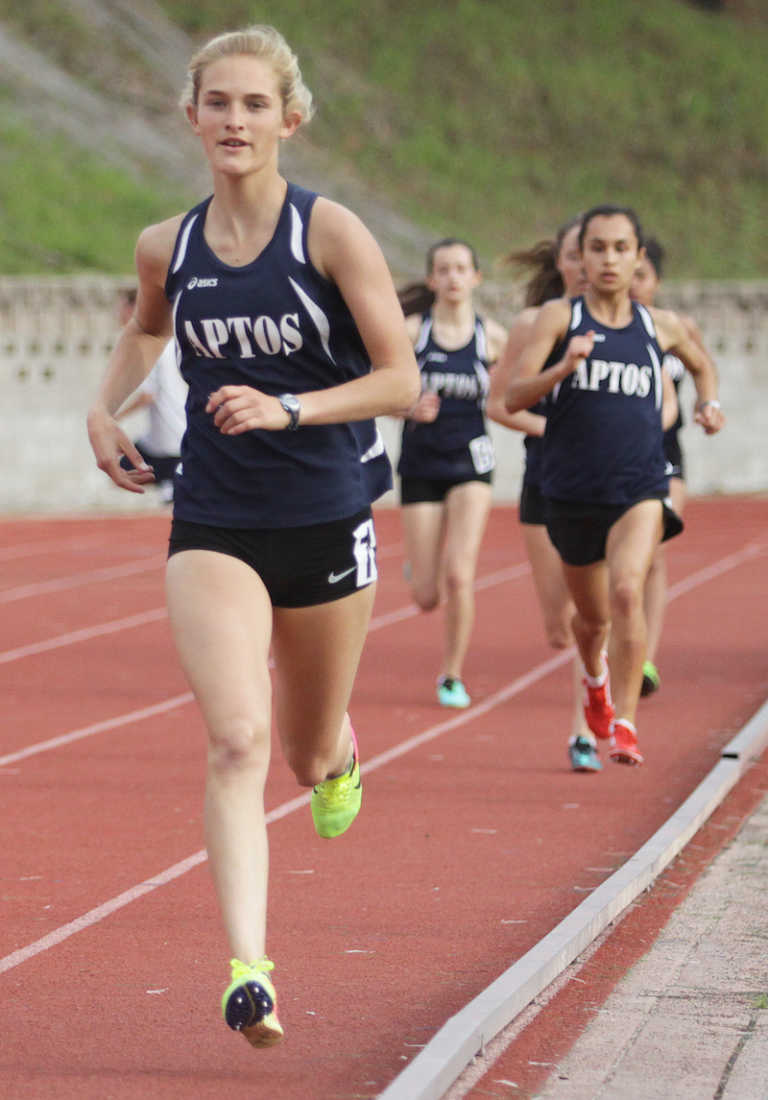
(483, 458)
(365, 553)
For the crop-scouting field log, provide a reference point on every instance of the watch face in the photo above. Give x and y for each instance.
(290, 403)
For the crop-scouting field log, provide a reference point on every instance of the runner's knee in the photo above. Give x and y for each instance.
(557, 628)
(559, 636)
(588, 627)
(238, 742)
(458, 579)
(626, 596)
(425, 595)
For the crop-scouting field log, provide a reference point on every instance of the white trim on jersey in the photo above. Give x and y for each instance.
(318, 317)
(175, 337)
(423, 337)
(481, 342)
(376, 448)
(647, 320)
(484, 379)
(183, 243)
(481, 358)
(297, 235)
(656, 375)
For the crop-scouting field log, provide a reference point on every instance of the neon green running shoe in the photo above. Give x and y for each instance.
(651, 678)
(452, 693)
(249, 1003)
(336, 802)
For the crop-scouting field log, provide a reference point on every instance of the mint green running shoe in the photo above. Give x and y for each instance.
(583, 756)
(249, 1003)
(451, 692)
(336, 802)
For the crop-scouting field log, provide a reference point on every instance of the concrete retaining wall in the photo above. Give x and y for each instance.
(55, 336)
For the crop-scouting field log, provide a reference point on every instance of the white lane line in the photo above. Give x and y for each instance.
(101, 912)
(72, 637)
(98, 727)
(411, 611)
(510, 573)
(442, 1060)
(710, 572)
(180, 700)
(105, 573)
(391, 550)
(93, 916)
(51, 546)
(76, 580)
(84, 635)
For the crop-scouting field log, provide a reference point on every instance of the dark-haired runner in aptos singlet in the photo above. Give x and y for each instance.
(598, 359)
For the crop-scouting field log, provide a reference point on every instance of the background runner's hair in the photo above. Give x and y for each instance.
(545, 282)
(655, 253)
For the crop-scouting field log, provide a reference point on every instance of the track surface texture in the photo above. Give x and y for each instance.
(475, 838)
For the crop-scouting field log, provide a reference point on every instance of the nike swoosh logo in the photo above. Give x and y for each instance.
(334, 578)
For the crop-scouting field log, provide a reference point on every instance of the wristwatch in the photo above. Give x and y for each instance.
(292, 406)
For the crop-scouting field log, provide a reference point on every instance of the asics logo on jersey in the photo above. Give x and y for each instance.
(626, 378)
(334, 578)
(196, 282)
(244, 337)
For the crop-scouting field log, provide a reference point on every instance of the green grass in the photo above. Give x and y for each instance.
(69, 210)
(498, 120)
(490, 119)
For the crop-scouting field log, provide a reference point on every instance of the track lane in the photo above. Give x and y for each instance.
(443, 872)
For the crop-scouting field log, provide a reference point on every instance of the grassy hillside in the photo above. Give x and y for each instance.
(492, 119)
(70, 210)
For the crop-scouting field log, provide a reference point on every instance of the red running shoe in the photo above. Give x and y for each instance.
(623, 748)
(598, 708)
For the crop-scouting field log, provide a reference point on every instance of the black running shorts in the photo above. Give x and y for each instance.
(300, 566)
(430, 490)
(579, 530)
(673, 453)
(533, 506)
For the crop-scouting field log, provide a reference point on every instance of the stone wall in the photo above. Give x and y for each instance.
(56, 334)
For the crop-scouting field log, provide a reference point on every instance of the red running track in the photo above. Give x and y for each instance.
(474, 841)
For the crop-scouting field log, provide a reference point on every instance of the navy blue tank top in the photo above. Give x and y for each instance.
(456, 443)
(279, 326)
(603, 440)
(534, 450)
